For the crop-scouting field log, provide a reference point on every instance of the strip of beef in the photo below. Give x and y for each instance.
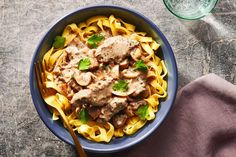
(94, 112)
(136, 86)
(114, 106)
(97, 93)
(119, 120)
(133, 106)
(81, 96)
(114, 49)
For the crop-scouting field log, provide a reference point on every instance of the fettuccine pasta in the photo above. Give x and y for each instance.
(73, 76)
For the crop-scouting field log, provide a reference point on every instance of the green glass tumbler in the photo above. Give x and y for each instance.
(190, 9)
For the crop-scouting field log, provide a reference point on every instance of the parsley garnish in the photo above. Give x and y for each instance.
(59, 42)
(84, 64)
(142, 112)
(83, 116)
(120, 85)
(94, 40)
(140, 65)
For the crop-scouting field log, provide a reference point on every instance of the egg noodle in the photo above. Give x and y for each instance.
(156, 86)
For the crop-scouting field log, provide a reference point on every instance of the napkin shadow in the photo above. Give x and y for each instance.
(183, 79)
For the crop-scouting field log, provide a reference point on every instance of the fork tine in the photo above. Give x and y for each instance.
(39, 74)
(41, 70)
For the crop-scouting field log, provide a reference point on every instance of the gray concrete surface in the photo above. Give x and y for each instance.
(201, 47)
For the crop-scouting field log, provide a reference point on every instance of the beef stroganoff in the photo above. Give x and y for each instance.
(105, 76)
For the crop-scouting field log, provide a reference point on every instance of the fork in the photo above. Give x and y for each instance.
(40, 79)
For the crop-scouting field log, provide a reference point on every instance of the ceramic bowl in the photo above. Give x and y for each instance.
(142, 23)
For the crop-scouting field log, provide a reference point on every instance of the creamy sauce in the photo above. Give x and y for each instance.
(93, 89)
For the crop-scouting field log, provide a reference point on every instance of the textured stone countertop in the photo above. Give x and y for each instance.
(200, 47)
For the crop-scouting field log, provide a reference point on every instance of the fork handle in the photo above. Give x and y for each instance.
(78, 146)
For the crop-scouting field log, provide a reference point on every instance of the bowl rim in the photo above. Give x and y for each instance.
(172, 58)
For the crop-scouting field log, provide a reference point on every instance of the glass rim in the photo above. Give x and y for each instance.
(185, 18)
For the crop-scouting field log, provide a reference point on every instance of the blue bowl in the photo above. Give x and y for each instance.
(142, 24)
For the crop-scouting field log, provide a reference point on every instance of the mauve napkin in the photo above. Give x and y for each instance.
(202, 123)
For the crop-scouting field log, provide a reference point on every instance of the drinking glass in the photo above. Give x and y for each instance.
(190, 9)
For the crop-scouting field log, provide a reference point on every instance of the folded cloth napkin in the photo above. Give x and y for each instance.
(202, 123)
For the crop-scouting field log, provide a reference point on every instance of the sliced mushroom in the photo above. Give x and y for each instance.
(130, 73)
(77, 109)
(115, 71)
(83, 79)
(136, 54)
(124, 64)
(120, 93)
(72, 83)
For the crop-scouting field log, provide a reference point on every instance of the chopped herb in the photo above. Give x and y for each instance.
(120, 85)
(59, 42)
(140, 65)
(142, 112)
(84, 64)
(83, 116)
(94, 40)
